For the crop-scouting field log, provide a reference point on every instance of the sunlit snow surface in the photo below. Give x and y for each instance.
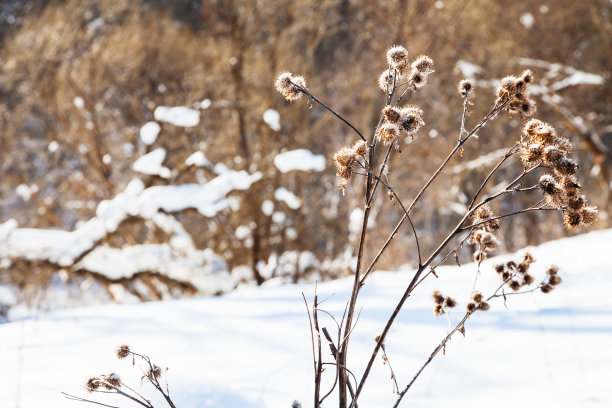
(252, 348)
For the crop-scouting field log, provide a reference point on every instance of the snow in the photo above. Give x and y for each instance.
(178, 116)
(252, 347)
(197, 159)
(272, 119)
(527, 20)
(64, 247)
(149, 132)
(151, 163)
(53, 146)
(78, 102)
(242, 232)
(283, 195)
(578, 78)
(267, 207)
(467, 69)
(300, 159)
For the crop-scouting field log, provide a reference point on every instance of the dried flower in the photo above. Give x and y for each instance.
(554, 280)
(545, 288)
(423, 64)
(515, 285)
(389, 133)
(361, 148)
(588, 215)
(92, 384)
(123, 351)
(499, 268)
(484, 306)
(477, 297)
(417, 78)
(154, 372)
(471, 307)
(450, 302)
(438, 310)
(411, 119)
(113, 379)
(465, 87)
(438, 297)
(397, 57)
(392, 114)
(527, 279)
(385, 81)
(289, 86)
(571, 219)
(552, 270)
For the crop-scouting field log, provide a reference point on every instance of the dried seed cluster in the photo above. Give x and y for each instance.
(477, 302)
(483, 236)
(291, 87)
(515, 91)
(442, 303)
(541, 145)
(346, 159)
(552, 279)
(465, 87)
(408, 119)
(516, 274)
(401, 71)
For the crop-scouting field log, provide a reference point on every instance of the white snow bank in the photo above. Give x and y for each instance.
(467, 69)
(151, 163)
(548, 350)
(300, 159)
(178, 116)
(64, 247)
(204, 269)
(149, 132)
(272, 119)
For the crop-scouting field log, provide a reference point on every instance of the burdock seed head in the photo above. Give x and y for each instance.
(465, 87)
(123, 351)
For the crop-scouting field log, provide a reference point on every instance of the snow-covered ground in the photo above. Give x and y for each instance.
(252, 348)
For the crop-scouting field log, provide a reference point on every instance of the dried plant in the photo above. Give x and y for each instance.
(537, 148)
(112, 383)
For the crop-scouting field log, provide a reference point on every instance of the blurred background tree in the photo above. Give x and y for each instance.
(78, 79)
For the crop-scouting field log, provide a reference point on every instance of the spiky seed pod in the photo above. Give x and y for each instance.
(566, 167)
(507, 86)
(545, 288)
(423, 64)
(479, 256)
(545, 134)
(576, 202)
(123, 351)
(464, 87)
(552, 154)
(417, 78)
(532, 153)
(411, 119)
(530, 126)
(511, 265)
(570, 184)
(549, 186)
(515, 285)
(392, 114)
(571, 219)
(154, 372)
(389, 133)
(385, 81)
(505, 275)
(554, 280)
(397, 56)
(471, 307)
(438, 310)
(527, 279)
(499, 268)
(287, 85)
(484, 306)
(564, 144)
(522, 267)
(552, 270)
(527, 76)
(589, 214)
(477, 297)
(528, 258)
(528, 107)
(92, 384)
(488, 242)
(113, 379)
(361, 148)
(345, 160)
(450, 302)
(438, 297)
